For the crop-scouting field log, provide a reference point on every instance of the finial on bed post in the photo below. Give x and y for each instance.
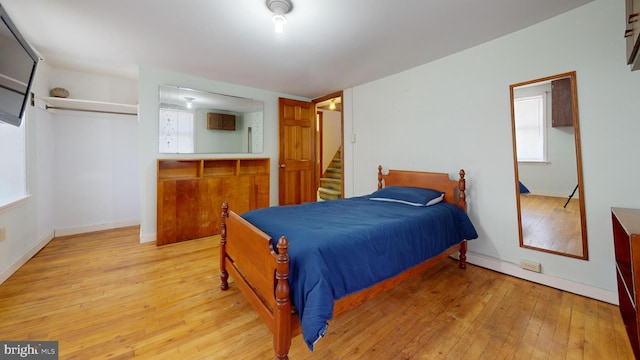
(379, 177)
(224, 276)
(462, 197)
(282, 317)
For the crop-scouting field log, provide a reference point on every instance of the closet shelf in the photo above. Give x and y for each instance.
(56, 103)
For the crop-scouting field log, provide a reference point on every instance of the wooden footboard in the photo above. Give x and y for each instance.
(246, 254)
(261, 275)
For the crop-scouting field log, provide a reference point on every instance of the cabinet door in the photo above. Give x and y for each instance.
(186, 211)
(228, 122)
(211, 206)
(636, 62)
(175, 209)
(246, 192)
(237, 192)
(261, 191)
(561, 103)
(166, 212)
(632, 29)
(217, 121)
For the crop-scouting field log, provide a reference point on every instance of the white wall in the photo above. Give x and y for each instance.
(82, 168)
(224, 141)
(94, 87)
(331, 130)
(29, 224)
(96, 177)
(150, 80)
(454, 113)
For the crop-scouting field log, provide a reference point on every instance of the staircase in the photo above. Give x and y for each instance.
(331, 181)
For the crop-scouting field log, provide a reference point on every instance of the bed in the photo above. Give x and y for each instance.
(332, 256)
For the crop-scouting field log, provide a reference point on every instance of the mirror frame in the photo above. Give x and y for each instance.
(574, 103)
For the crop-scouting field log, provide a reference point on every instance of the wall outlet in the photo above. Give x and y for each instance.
(530, 265)
(3, 233)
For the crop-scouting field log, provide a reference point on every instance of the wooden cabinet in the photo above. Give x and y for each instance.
(217, 121)
(191, 193)
(561, 103)
(632, 32)
(626, 238)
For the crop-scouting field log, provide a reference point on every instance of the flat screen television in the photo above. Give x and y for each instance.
(17, 67)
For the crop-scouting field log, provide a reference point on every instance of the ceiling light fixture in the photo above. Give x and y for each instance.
(189, 101)
(279, 8)
(332, 105)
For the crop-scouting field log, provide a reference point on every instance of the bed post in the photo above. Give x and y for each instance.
(462, 197)
(462, 203)
(224, 276)
(379, 177)
(282, 316)
(462, 259)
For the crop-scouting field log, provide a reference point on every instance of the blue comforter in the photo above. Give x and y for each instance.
(339, 247)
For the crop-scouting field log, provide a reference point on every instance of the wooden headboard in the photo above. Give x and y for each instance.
(454, 190)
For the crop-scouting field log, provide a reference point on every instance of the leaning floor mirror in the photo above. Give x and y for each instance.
(548, 166)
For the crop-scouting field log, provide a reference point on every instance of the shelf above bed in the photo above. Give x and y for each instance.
(55, 103)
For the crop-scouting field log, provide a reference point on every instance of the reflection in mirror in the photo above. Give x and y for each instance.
(548, 168)
(193, 121)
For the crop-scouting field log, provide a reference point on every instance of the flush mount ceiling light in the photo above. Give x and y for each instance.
(279, 8)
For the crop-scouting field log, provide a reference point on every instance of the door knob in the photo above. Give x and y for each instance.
(283, 166)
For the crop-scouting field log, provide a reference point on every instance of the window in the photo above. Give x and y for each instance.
(530, 129)
(13, 177)
(176, 131)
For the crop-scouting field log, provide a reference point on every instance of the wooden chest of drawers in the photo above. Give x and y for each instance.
(626, 238)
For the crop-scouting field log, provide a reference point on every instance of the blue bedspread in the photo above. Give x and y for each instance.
(342, 246)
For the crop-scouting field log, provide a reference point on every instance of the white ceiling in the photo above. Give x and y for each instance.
(328, 45)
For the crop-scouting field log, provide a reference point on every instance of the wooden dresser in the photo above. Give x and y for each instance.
(626, 238)
(191, 192)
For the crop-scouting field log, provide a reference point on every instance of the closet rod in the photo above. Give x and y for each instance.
(87, 110)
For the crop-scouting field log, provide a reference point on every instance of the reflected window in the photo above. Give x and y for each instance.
(530, 129)
(176, 131)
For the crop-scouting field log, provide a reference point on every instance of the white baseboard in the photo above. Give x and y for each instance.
(5, 274)
(96, 227)
(554, 282)
(147, 238)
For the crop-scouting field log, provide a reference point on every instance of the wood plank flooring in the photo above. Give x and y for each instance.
(105, 296)
(547, 224)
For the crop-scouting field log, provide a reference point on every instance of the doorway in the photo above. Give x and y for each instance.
(329, 147)
(310, 143)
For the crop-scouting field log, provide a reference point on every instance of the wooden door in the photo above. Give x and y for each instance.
(297, 134)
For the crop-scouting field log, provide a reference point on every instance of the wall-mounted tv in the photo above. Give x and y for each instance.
(17, 67)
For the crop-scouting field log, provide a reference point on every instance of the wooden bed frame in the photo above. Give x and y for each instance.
(262, 275)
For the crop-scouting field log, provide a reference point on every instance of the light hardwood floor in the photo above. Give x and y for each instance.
(547, 224)
(105, 296)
